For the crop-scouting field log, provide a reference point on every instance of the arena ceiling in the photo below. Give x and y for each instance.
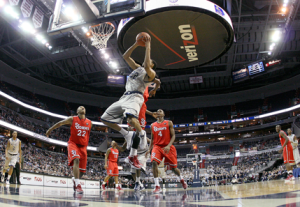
(74, 64)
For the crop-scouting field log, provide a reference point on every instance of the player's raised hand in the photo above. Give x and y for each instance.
(152, 93)
(147, 42)
(154, 114)
(166, 149)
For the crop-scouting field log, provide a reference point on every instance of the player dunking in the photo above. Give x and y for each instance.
(111, 164)
(77, 144)
(13, 149)
(287, 150)
(294, 141)
(162, 138)
(131, 102)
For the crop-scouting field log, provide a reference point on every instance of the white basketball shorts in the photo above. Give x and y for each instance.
(10, 161)
(127, 105)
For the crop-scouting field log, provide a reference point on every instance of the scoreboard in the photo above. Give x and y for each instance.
(256, 68)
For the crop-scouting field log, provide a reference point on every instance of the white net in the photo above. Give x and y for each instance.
(101, 34)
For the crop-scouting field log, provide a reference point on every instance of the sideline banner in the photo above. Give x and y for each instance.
(31, 179)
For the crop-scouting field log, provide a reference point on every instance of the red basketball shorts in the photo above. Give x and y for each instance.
(112, 168)
(170, 159)
(288, 155)
(77, 151)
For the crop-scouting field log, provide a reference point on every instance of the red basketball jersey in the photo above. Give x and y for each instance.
(146, 95)
(113, 155)
(161, 133)
(282, 140)
(80, 131)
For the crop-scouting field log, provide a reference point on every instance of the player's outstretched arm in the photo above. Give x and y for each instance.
(154, 114)
(172, 133)
(20, 152)
(282, 134)
(106, 157)
(153, 91)
(147, 61)
(6, 150)
(123, 148)
(128, 59)
(67, 121)
(151, 143)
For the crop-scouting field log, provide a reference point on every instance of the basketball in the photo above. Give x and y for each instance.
(141, 38)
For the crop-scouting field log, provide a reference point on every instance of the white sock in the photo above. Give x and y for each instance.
(141, 184)
(116, 185)
(76, 181)
(104, 183)
(138, 179)
(123, 132)
(180, 177)
(133, 152)
(156, 181)
(8, 177)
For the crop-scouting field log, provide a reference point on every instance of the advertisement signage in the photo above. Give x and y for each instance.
(239, 74)
(31, 179)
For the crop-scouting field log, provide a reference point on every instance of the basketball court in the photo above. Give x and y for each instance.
(267, 194)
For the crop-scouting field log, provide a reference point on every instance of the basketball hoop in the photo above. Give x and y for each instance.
(101, 33)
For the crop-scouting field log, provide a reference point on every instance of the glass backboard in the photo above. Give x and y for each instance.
(73, 14)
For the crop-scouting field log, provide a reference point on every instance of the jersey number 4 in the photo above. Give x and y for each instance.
(160, 134)
(81, 133)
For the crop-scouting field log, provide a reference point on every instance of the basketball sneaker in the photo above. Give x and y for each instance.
(290, 177)
(2, 179)
(134, 162)
(142, 187)
(119, 188)
(103, 187)
(74, 184)
(183, 183)
(157, 190)
(7, 182)
(128, 137)
(79, 189)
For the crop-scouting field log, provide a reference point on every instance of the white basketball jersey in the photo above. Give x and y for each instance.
(14, 146)
(138, 80)
(291, 138)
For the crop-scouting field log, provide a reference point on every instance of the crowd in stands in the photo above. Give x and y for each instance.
(218, 171)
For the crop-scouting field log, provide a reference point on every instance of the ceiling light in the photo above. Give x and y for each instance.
(47, 44)
(84, 29)
(276, 36)
(44, 41)
(283, 9)
(106, 56)
(50, 47)
(272, 46)
(113, 64)
(286, 1)
(102, 51)
(2, 3)
(39, 37)
(269, 53)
